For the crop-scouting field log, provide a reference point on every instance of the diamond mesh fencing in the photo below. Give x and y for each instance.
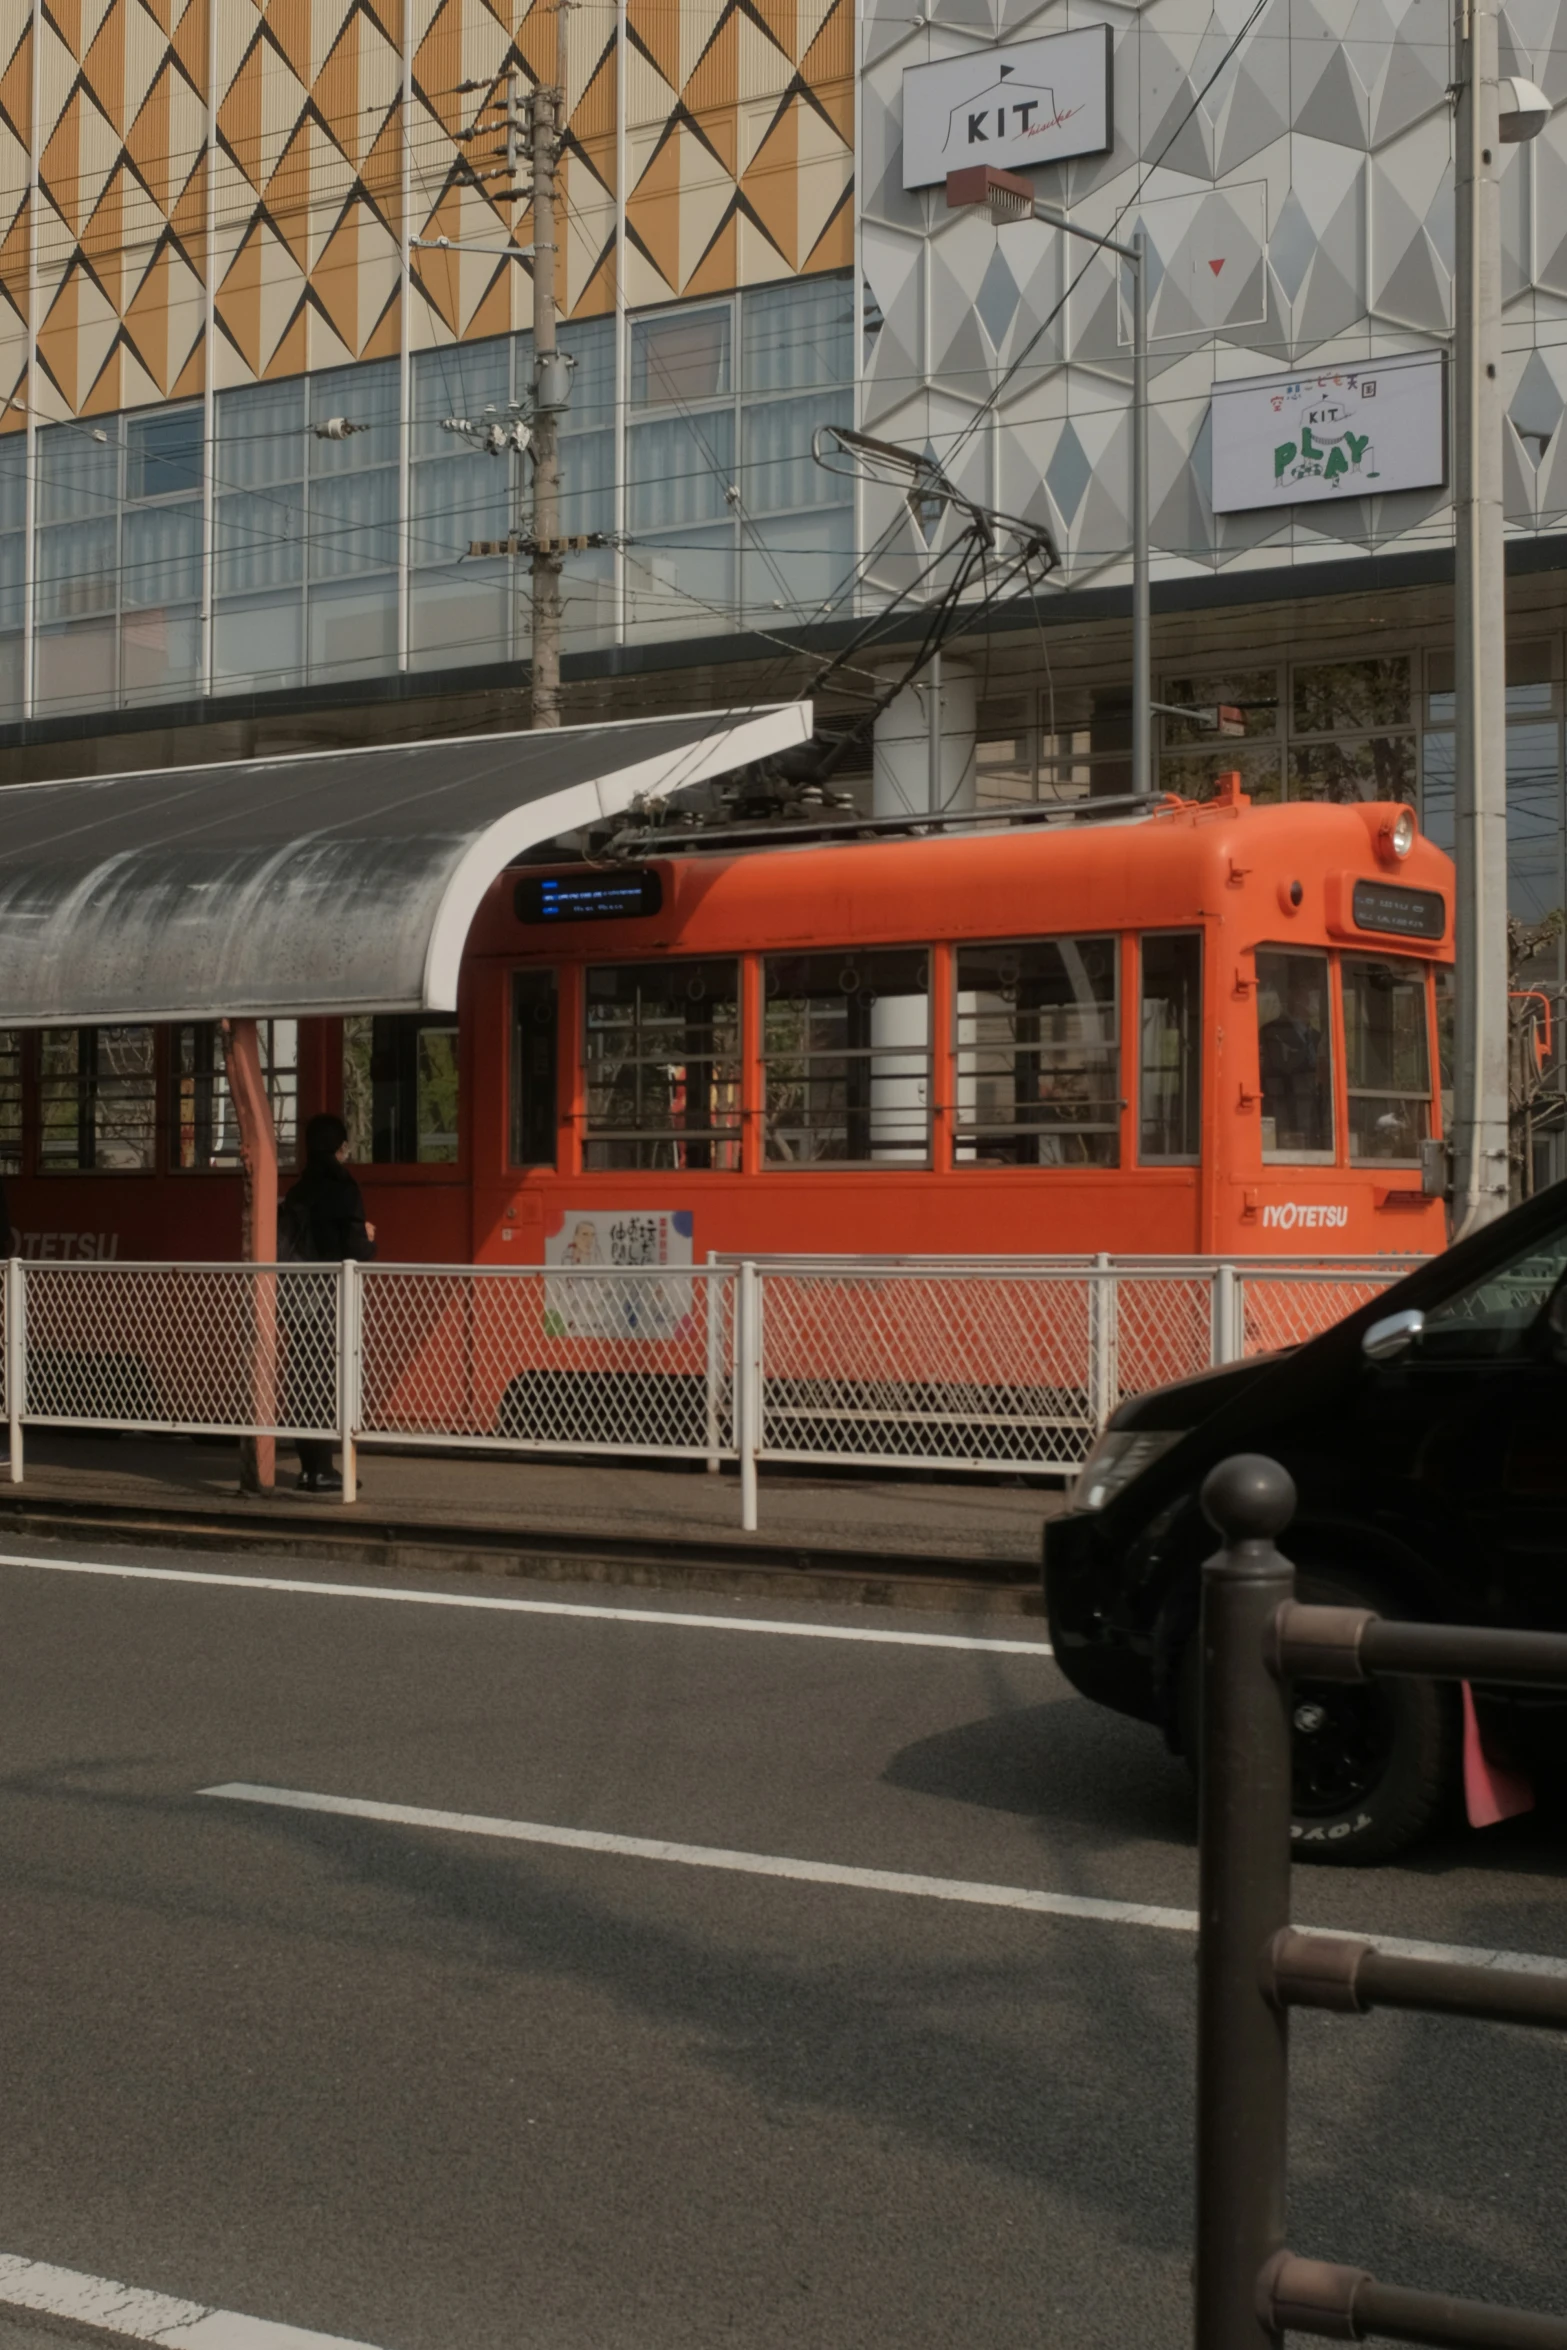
(1285, 1309)
(208, 1349)
(575, 1359)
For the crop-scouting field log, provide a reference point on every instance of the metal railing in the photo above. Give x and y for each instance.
(1254, 1966)
(960, 1365)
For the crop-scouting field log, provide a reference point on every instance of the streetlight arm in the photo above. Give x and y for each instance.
(1106, 244)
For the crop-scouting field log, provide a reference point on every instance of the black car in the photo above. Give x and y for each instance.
(1427, 1437)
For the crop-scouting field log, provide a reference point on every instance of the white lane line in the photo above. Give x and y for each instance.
(822, 1872)
(530, 1607)
(148, 2317)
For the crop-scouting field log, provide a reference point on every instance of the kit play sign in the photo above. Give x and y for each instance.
(1035, 103)
(1346, 431)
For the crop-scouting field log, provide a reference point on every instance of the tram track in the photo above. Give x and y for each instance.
(747, 1566)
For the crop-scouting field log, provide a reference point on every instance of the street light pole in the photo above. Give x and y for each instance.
(1008, 196)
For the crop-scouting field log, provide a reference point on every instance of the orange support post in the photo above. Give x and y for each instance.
(258, 1242)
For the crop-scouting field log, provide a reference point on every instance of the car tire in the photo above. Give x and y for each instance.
(1376, 1764)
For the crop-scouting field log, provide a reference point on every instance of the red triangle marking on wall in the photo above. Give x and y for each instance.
(1216, 266)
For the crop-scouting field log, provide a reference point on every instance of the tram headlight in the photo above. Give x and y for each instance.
(1120, 1455)
(1397, 838)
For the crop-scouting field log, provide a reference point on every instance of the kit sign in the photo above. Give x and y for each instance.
(1035, 103)
(1347, 431)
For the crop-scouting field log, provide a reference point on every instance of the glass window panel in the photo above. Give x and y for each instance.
(1170, 1031)
(797, 333)
(463, 618)
(796, 564)
(661, 1050)
(260, 640)
(455, 498)
(353, 524)
(353, 631)
(76, 569)
(1534, 823)
(261, 436)
(846, 1047)
(204, 1130)
(13, 579)
(778, 470)
(1497, 1314)
(1387, 1061)
(1295, 1047)
(1327, 696)
(1382, 768)
(367, 397)
(96, 1099)
(1038, 1067)
(682, 585)
(680, 468)
(680, 355)
(458, 380)
(1195, 776)
(1254, 692)
(260, 540)
(535, 1054)
(78, 474)
(591, 343)
(160, 653)
(400, 1089)
(12, 669)
(1529, 687)
(164, 454)
(13, 480)
(587, 468)
(10, 1102)
(160, 560)
(75, 667)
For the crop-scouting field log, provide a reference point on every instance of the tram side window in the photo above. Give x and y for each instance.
(97, 1100)
(1295, 1048)
(662, 1054)
(1387, 1060)
(534, 1068)
(1038, 1078)
(846, 1047)
(205, 1131)
(400, 1089)
(1170, 1027)
(10, 1103)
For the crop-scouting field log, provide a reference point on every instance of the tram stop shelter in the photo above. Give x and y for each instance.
(317, 884)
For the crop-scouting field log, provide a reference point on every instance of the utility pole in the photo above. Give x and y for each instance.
(1480, 646)
(546, 122)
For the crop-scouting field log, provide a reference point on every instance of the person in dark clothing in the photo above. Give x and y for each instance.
(324, 1212)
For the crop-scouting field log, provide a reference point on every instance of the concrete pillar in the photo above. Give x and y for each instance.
(902, 754)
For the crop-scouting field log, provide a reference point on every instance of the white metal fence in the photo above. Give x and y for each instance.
(957, 1364)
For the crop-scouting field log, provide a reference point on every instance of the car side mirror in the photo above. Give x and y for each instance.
(1386, 1340)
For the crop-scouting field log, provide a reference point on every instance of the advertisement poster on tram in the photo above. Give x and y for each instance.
(648, 1245)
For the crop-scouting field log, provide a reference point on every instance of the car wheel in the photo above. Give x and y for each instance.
(1375, 1763)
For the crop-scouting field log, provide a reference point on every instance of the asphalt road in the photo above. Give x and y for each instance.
(433, 2090)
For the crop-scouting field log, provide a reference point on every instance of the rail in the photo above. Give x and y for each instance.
(1254, 1965)
(964, 1366)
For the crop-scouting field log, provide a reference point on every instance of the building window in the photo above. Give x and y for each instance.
(10, 1102)
(97, 1100)
(204, 1130)
(846, 1046)
(1170, 1046)
(400, 1089)
(1294, 1040)
(662, 1053)
(1387, 1059)
(1322, 730)
(1038, 1080)
(534, 1068)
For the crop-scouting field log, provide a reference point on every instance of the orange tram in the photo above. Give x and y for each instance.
(1201, 1029)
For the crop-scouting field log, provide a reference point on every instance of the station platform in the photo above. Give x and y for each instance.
(844, 1534)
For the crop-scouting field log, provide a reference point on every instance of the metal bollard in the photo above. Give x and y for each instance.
(1243, 1902)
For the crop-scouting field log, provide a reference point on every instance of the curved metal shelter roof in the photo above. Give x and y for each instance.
(341, 881)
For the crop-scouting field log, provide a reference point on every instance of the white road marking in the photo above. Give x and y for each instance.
(148, 2317)
(822, 1872)
(530, 1607)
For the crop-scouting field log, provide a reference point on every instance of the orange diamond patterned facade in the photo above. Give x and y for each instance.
(263, 177)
